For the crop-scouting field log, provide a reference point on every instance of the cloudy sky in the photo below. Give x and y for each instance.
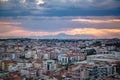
(60, 18)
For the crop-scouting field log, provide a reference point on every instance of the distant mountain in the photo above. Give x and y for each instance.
(66, 36)
(59, 36)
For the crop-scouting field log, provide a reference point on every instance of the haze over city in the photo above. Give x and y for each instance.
(84, 19)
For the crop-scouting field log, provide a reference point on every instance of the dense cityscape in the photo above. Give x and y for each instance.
(59, 39)
(59, 59)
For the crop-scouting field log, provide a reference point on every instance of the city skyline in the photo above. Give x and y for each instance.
(60, 18)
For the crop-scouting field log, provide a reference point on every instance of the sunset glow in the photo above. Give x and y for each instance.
(60, 18)
(21, 32)
(96, 21)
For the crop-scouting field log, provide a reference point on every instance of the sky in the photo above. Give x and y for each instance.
(81, 19)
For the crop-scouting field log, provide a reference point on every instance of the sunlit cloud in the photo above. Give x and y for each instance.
(92, 31)
(6, 27)
(89, 26)
(38, 2)
(10, 30)
(96, 20)
(4, 0)
(22, 1)
(9, 23)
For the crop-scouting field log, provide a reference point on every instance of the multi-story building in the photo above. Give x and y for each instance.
(8, 56)
(50, 65)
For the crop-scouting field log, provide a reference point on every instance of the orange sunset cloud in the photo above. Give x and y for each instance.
(96, 20)
(11, 29)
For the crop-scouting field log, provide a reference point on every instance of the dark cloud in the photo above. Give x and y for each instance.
(51, 24)
(57, 15)
(63, 23)
(60, 8)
